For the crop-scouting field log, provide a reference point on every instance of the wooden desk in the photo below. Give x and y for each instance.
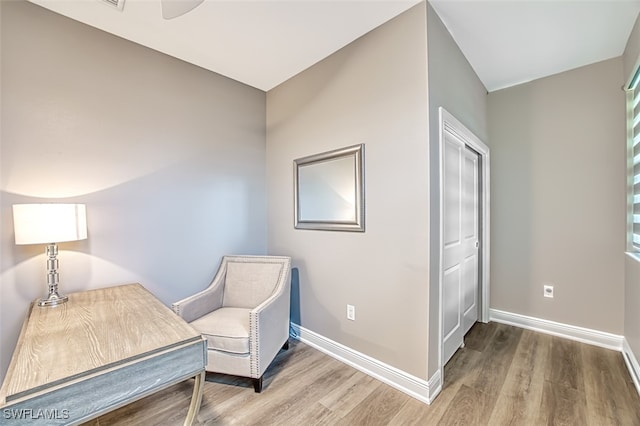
(101, 350)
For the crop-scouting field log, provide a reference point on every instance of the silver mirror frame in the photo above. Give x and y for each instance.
(357, 225)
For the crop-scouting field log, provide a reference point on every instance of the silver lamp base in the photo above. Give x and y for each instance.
(53, 299)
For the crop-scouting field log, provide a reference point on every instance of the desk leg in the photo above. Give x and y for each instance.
(196, 399)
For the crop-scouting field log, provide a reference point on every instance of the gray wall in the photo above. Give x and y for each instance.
(373, 91)
(631, 56)
(169, 159)
(631, 59)
(454, 85)
(558, 197)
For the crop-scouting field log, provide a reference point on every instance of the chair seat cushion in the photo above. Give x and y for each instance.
(226, 329)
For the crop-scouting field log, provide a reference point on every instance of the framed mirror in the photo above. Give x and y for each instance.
(329, 190)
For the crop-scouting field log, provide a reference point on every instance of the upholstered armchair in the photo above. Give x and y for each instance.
(243, 314)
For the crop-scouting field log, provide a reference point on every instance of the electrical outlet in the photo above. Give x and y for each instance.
(351, 312)
(548, 291)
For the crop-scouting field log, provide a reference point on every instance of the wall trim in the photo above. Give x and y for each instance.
(580, 334)
(420, 389)
(450, 125)
(632, 363)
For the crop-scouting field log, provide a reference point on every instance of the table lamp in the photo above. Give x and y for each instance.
(50, 224)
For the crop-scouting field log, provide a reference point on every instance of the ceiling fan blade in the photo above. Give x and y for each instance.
(174, 8)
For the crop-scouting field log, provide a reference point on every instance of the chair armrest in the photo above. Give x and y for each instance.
(269, 326)
(199, 304)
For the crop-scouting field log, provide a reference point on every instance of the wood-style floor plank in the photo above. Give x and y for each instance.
(489, 374)
(521, 395)
(470, 406)
(565, 364)
(503, 376)
(378, 408)
(413, 413)
(480, 336)
(608, 399)
(562, 406)
(350, 393)
(279, 409)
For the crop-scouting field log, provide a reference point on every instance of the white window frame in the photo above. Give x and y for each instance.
(633, 179)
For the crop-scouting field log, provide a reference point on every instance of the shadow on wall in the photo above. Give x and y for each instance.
(295, 297)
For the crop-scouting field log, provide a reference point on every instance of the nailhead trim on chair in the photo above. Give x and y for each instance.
(253, 323)
(255, 366)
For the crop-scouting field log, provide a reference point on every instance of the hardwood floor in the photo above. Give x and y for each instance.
(503, 376)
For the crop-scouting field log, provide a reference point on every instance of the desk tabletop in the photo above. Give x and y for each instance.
(94, 331)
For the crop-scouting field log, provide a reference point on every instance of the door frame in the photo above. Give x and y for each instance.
(450, 124)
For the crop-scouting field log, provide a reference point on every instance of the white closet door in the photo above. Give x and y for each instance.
(470, 219)
(460, 245)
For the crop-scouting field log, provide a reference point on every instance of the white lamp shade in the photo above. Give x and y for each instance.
(174, 8)
(49, 223)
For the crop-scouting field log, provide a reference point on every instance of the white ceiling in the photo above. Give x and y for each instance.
(260, 43)
(509, 42)
(265, 42)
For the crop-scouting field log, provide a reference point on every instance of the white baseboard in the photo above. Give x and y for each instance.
(584, 335)
(415, 387)
(632, 364)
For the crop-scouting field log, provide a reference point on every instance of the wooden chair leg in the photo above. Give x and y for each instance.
(257, 385)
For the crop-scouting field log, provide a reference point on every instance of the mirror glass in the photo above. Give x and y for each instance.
(329, 189)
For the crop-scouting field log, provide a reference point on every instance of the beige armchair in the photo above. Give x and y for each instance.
(243, 314)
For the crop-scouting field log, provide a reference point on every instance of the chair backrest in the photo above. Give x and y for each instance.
(250, 280)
